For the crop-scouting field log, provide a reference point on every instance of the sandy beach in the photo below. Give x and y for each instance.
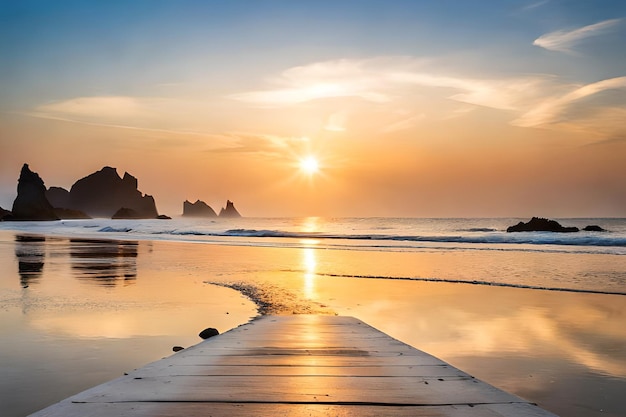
(80, 312)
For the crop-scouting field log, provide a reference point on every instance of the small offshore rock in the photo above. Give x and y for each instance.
(208, 332)
(593, 228)
(177, 348)
(538, 224)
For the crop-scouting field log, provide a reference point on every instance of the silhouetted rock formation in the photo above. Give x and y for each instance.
(60, 200)
(126, 213)
(103, 193)
(230, 210)
(58, 197)
(31, 202)
(593, 228)
(198, 209)
(4, 213)
(537, 224)
(66, 214)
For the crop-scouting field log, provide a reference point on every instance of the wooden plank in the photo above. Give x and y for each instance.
(297, 365)
(305, 389)
(438, 371)
(290, 410)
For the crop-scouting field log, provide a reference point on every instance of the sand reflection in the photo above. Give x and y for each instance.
(30, 253)
(104, 262)
(309, 263)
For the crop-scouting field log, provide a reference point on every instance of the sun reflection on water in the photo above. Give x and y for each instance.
(309, 263)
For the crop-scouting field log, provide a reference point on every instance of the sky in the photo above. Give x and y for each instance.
(488, 108)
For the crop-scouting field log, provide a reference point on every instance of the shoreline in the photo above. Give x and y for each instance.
(514, 338)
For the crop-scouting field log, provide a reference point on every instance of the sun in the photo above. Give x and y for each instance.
(309, 165)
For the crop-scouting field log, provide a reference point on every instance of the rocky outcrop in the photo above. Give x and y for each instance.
(58, 197)
(4, 213)
(198, 209)
(229, 210)
(67, 214)
(538, 224)
(31, 202)
(103, 193)
(60, 200)
(126, 213)
(593, 228)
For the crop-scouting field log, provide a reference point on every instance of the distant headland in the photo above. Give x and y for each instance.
(101, 194)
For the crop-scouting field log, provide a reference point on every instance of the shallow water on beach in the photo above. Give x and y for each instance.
(78, 312)
(75, 313)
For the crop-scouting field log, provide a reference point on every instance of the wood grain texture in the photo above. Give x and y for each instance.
(295, 366)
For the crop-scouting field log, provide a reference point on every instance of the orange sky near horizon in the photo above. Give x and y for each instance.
(411, 120)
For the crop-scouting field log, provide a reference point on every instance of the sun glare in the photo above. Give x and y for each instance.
(309, 165)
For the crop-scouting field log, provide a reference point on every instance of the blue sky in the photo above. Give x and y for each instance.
(246, 79)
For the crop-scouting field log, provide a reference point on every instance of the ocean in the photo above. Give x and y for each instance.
(538, 314)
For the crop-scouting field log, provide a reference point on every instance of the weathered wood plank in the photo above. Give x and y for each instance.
(305, 389)
(290, 410)
(292, 366)
(438, 371)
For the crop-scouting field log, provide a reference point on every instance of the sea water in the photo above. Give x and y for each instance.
(538, 314)
(389, 235)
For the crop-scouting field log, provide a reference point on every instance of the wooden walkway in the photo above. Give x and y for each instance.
(296, 366)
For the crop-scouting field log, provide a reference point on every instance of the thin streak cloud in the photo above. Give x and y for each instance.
(383, 79)
(563, 41)
(551, 110)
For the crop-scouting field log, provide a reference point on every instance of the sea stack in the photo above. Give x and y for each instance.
(229, 210)
(31, 202)
(104, 193)
(198, 209)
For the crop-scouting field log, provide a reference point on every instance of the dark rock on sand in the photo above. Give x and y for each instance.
(31, 202)
(163, 217)
(230, 210)
(102, 193)
(593, 228)
(208, 332)
(538, 224)
(198, 209)
(178, 348)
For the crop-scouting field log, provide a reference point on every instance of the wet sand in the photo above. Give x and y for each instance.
(94, 309)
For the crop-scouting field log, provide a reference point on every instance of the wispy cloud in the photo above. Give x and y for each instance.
(382, 94)
(381, 80)
(564, 40)
(535, 5)
(552, 109)
(331, 79)
(387, 82)
(101, 106)
(149, 115)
